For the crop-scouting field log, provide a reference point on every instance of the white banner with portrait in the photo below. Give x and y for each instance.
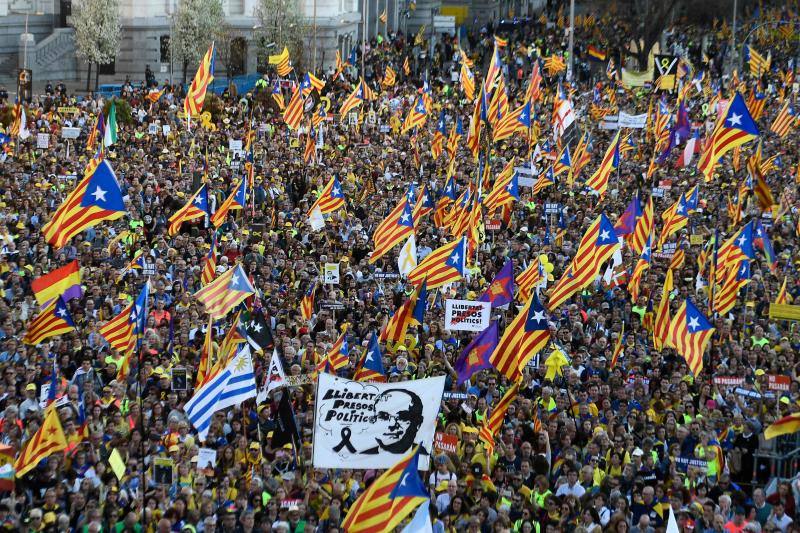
(363, 425)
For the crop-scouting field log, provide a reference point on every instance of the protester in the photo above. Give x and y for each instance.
(608, 431)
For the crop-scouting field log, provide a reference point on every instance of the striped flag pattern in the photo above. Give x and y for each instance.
(236, 200)
(225, 292)
(394, 229)
(444, 265)
(690, 332)
(492, 424)
(96, 198)
(644, 227)
(197, 206)
(193, 104)
(523, 338)
(53, 320)
(293, 114)
(118, 331)
(784, 122)
(331, 197)
(307, 303)
(661, 326)
(598, 181)
(375, 511)
(598, 244)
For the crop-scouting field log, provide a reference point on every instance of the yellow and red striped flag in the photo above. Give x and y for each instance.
(641, 265)
(389, 77)
(389, 499)
(785, 426)
(293, 114)
(207, 355)
(529, 279)
(96, 198)
(352, 101)
(395, 228)
(494, 422)
(598, 181)
(467, 80)
(737, 277)
(307, 303)
(310, 150)
(410, 312)
(523, 338)
(53, 320)
(417, 116)
(643, 228)
(155, 95)
(617, 348)
(598, 244)
(193, 104)
(282, 62)
(783, 295)
(406, 66)
(209, 271)
(446, 264)
(534, 91)
(338, 355)
(689, 333)
(236, 200)
(331, 198)
(49, 439)
(784, 122)
(197, 206)
(118, 331)
(226, 292)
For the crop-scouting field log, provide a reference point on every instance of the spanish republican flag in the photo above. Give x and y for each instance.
(785, 426)
(64, 282)
(390, 498)
(45, 442)
(193, 104)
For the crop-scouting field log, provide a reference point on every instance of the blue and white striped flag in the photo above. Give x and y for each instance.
(233, 385)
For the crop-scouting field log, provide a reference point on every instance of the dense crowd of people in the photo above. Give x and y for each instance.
(595, 447)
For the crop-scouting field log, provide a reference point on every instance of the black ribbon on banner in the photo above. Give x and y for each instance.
(345, 442)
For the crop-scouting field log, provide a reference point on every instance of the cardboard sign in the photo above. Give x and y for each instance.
(70, 133)
(552, 209)
(493, 225)
(332, 273)
(779, 383)
(466, 315)
(445, 443)
(696, 240)
(667, 251)
(43, 140)
(728, 381)
(206, 458)
(68, 110)
(784, 311)
(163, 470)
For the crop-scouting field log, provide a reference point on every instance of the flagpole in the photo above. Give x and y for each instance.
(363, 37)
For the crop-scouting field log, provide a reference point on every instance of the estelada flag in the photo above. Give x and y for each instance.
(48, 440)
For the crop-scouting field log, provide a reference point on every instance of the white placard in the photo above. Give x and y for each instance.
(466, 315)
(152, 129)
(206, 458)
(373, 425)
(165, 129)
(43, 140)
(332, 273)
(235, 145)
(70, 133)
(632, 121)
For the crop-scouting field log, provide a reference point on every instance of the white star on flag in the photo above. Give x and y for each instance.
(735, 120)
(99, 194)
(694, 323)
